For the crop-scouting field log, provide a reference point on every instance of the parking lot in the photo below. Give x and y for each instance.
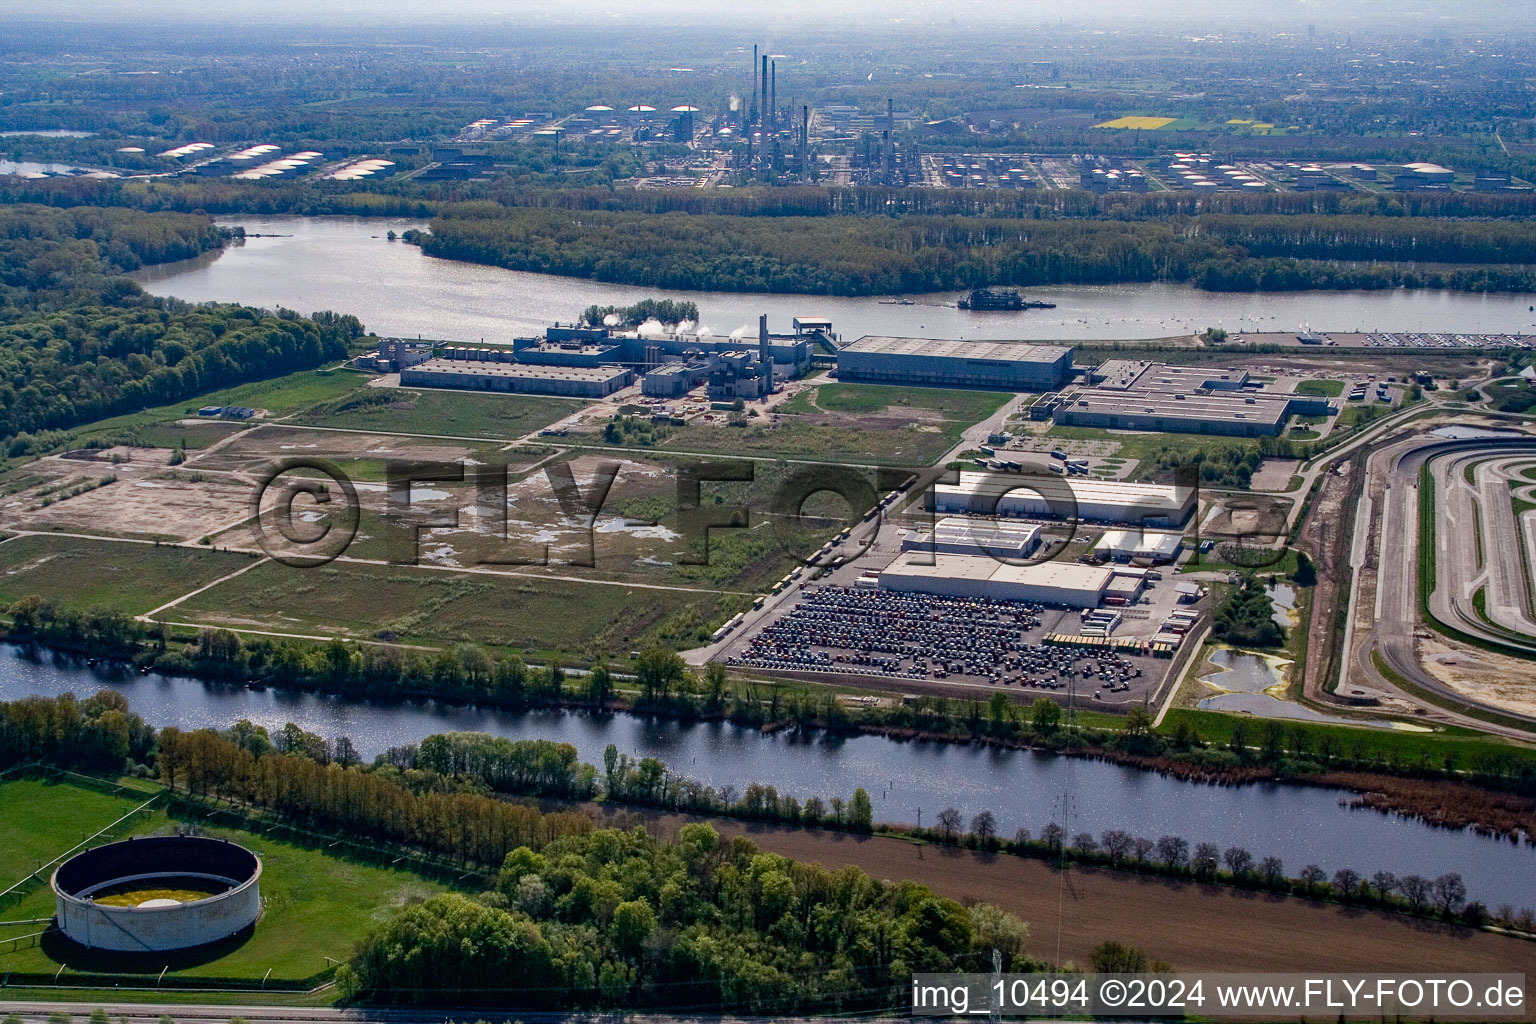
(836, 627)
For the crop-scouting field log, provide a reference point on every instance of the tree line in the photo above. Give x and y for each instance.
(663, 685)
(79, 341)
(920, 253)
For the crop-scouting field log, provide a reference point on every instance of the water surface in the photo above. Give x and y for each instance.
(1301, 825)
(347, 264)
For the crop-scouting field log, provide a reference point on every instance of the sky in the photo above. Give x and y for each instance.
(1192, 14)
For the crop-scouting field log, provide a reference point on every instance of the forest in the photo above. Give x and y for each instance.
(870, 255)
(79, 341)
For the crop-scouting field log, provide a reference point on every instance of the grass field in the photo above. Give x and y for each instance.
(127, 578)
(1462, 746)
(966, 407)
(280, 396)
(43, 819)
(456, 413)
(317, 904)
(861, 423)
(1321, 388)
(537, 615)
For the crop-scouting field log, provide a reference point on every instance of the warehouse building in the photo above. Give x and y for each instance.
(1150, 545)
(1071, 498)
(973, 535)
(517, 378)
(926, 362)
(1064, 584)
(1128, 394)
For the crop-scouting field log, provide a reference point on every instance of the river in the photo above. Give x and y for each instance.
(347, 265)
(1299, 824)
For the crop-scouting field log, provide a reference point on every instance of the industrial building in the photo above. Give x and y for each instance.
(1065, 584)
(393, 355)
(1071, 498)
(1129, 394)
(1146, 545)
(972, 535)
(474, 374)
(926, 362)
(673, 380)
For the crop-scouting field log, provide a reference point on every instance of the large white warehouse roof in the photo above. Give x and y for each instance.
(1059, 583)
(1114, 501)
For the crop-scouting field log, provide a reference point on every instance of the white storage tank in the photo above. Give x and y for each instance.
(157, 893)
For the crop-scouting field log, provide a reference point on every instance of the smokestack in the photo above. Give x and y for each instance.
(762, 340)
(764, 106)
(773, 99)
(890, 115)
(752, 112)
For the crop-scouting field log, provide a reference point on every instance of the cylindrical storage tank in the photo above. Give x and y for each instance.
(157, 893)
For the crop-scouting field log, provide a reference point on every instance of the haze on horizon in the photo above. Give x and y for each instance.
(892, 15)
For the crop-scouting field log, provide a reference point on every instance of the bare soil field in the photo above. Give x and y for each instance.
(258, 448)
(1484, 676)
(1192, 926)
(148, 499)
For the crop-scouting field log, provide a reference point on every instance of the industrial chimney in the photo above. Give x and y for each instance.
(752, 111)
(773, 97)
(763, 107)
(764, 354)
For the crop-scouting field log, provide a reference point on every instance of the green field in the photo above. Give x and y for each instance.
(1321, 388)
(965, 407)
(1462, 746)
(317, 904)
(280, 396)
(859, 423)
(120, 577)
(451, 413)
(44, 819)
(532, 613)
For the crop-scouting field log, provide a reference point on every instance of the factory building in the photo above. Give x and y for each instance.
(673, 380)
(394, 354)
(1073, 498)
(1064, 584)
(1006, 366)
(573, 352)
(475, 374)
(1133, 394)
(1149, 545)
(972, 535)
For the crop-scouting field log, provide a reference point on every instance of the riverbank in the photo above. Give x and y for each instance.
(1232, 755)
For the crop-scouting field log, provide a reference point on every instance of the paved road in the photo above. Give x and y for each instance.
(1392, 484)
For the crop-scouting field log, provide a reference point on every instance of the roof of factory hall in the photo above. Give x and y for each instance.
(1142, 373)
(1159, 542)
(574, 348)
(1083, 489)
(489, 368)
(1237, 407)
(1065, 575)
(1013, 351)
